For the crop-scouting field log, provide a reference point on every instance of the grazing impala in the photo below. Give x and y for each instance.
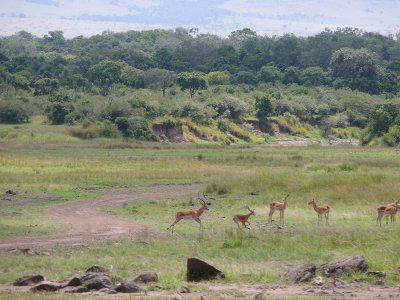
(320, 210)
(387, 210)
(193, 214)
(243, 218)
(278, 206)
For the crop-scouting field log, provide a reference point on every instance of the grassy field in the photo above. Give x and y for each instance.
(352, 180)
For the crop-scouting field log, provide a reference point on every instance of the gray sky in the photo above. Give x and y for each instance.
(266, 17)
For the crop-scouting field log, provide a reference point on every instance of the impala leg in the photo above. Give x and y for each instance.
(173, 224)
(271, 212)
(198, 221)
(327, 218)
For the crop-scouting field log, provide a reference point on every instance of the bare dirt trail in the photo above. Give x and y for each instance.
(86, 221)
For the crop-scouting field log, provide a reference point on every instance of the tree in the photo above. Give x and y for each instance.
(270, 74)
(46, 86)
(105, 74)
(381, 118)
(291, 75)
(314, 76)
(216, 78)
(159, 78)
(263, 107)
(356, 69)
(191, 81)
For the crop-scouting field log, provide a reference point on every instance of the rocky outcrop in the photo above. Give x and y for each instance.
(145, 277)
(300, 273)
(347, 265)
(28, 280)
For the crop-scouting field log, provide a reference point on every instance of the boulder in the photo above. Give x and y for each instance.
(28, 280)
(92, 281)
(128, 287)
(347, 265)
(96, 269)
(300, 273)
(198, 269)
(145, 277)
(47, 286)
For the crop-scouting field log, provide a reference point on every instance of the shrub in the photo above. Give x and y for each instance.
(123, 125)
(392, 137)
(56, 112)
(229, 107)
(108, 129)
(14, 111)
(223, 125)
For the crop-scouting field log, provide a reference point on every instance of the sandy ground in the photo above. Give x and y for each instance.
(86, 221)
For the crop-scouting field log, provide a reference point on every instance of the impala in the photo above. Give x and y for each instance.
(387, 210)
(320, 210)
(193, 214)
(243, 218)
(278, 206)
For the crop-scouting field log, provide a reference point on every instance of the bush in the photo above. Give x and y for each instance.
(108, 129)
(229, 107)
(392, 137)
(114, 109)
(223, 125)
(57, 112)
(123, 125)
(14, 111)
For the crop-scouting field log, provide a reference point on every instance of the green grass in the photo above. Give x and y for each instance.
(352, 180)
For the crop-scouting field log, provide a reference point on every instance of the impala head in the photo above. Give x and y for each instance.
(250, 210)
(285, 199)
(312, 201)
(205, 206)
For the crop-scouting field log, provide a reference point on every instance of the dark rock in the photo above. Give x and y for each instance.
(145, 277)
(74, 289)
(300, 273)
(104, 290)
(200, 270)
(92, 281)
(46, 286)
(28, 280)
(184, 290)
(347, 265)
(128, 287)
(11, 192)
(259, 296)
(28, 251)
(380, 282)
(96, 269)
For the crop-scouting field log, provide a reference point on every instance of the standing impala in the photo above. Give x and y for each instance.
(278, 206)
(243, 218)
(193, 214)
(320, 210)
(387, 210)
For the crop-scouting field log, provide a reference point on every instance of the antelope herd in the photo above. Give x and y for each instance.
(322, 210)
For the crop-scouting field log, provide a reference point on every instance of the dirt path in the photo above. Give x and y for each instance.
(86, 221)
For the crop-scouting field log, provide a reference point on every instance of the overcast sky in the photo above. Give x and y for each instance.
(266, 17)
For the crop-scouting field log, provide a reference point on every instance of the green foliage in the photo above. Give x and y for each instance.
(107, 72)
(392, 137)
(270, 74)
(223, 125)
(56, 112)
(191, 81)
(14, 111)
(217, 78)
(46, 86)
(263, 107)
(229, 107)
(314, 76)
(356, 69)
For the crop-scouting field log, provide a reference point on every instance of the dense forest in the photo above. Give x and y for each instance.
(343, 83)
